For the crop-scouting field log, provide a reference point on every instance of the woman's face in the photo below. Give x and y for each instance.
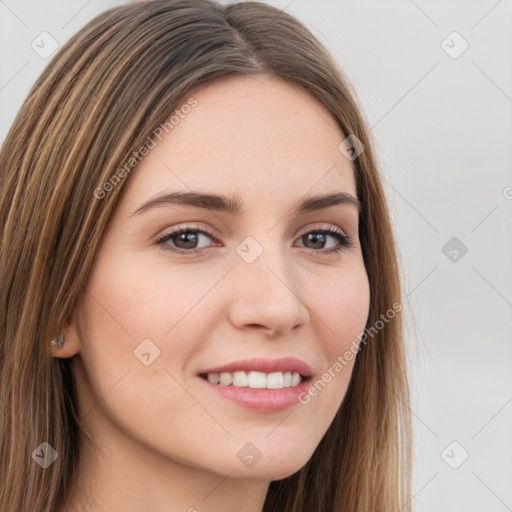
(264, 282)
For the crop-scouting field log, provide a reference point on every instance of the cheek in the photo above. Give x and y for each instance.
(131, 308)
(116, 316)
(342, 306)
(144, 297)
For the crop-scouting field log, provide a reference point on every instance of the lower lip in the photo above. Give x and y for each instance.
(261, 400)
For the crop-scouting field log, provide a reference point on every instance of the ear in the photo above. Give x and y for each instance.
(71, 345)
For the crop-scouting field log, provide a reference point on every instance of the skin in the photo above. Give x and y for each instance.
(168, 442)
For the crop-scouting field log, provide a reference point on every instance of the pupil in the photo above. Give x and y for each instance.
(189, 239)
(317, 238)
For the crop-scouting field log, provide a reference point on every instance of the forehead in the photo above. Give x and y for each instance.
(257, 136)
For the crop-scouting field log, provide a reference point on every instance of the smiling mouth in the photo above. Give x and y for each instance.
(255, 379)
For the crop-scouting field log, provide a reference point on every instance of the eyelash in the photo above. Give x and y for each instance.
(345, 241)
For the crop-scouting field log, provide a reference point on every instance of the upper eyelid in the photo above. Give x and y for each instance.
(314, 225)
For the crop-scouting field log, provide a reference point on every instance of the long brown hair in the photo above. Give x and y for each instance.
(97, 102)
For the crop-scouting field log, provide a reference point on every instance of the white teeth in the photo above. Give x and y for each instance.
(214, 378)
(226, 379)
(240, 379)
(275, 380)
(256, 380)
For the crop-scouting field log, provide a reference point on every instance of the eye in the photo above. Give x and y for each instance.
(319, 238)
(187, 240)
(184, 240)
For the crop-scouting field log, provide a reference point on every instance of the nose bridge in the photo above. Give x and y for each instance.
(266, 289)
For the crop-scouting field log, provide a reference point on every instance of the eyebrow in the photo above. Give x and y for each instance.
(233, 205)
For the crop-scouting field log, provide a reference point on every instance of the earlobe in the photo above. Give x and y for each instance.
(66, 344)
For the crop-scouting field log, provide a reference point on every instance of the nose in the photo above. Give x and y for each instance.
(267, 296)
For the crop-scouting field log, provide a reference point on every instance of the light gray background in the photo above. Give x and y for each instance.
(443, 133)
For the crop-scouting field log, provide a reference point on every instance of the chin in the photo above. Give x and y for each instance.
(273, 466)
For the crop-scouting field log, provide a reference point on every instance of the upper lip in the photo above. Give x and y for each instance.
(285, 364)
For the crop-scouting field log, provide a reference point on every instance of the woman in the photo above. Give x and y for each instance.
(200, 301)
